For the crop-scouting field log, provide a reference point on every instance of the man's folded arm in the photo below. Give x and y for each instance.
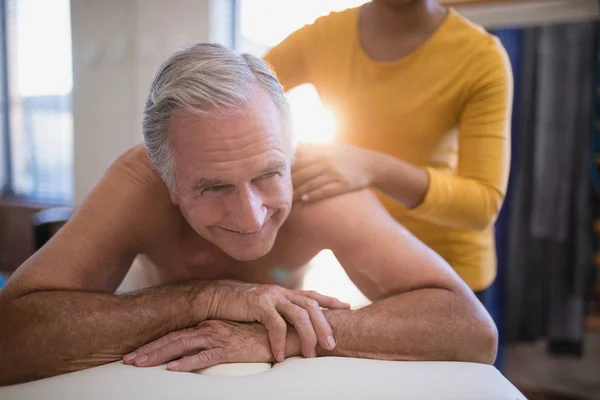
(421, 308)
(58, 310)
(51, 332)
(420, 325)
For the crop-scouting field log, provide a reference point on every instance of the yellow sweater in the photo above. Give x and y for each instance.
(445, 107)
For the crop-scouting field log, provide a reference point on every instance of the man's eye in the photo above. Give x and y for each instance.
(213, 189)
(270, 175)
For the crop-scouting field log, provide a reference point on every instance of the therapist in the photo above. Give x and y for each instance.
(423, 101)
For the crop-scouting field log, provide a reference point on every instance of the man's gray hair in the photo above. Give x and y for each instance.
(201, 79)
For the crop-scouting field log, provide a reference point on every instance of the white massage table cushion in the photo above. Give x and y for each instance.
(295, 378)
(233, 370)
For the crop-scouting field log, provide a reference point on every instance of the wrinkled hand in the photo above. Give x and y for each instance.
(209, 343)
(329, 169)
(272, 305)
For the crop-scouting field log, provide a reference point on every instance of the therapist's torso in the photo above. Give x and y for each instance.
(410, 108)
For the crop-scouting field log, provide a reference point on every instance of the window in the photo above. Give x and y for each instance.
(37, 128)
(4, 156)
(260, 30)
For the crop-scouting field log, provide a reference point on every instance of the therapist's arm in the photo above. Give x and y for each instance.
(296, 57)
(470, 199)
(421, 308)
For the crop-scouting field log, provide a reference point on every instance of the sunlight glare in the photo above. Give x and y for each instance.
(312, 123)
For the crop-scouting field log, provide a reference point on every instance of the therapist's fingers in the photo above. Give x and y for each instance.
(318, 190)
(308, 173)
(302, 161)
(203, 359)
(309, 152)
(326, 191)
(301, 192)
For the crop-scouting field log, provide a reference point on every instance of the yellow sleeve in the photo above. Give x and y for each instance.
(472, 198)
(291, 59)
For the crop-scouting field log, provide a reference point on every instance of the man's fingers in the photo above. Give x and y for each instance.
(183, 346)
(203, 359)
(319, 322)
(300, 319)
(277, 329)
(149, 347)
(324, 301)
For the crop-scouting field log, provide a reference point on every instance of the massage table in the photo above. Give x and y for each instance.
(295, 378)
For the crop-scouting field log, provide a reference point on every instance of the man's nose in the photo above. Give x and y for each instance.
(250, 212)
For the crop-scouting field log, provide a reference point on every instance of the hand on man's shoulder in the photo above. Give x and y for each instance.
(339, 216)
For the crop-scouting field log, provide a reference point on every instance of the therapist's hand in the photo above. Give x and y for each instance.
(329, 169)
(210, 343)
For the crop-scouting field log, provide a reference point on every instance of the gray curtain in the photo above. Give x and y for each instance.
(550, 249)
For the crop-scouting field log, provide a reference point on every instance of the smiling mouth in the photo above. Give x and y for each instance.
(246, 234)
(243, 233)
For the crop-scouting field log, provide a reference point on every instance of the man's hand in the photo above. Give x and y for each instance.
(209, 343)
(271, 306)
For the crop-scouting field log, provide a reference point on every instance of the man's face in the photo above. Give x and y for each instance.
(233, 176)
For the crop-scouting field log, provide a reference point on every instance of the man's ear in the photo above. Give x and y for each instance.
(174, 197)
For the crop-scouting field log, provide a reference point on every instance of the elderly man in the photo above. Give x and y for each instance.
(207, 205)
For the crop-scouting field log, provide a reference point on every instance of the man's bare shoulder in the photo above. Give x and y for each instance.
(132, 183)
(338, 216)
(130, 200)
(135, 166)
(124, 214)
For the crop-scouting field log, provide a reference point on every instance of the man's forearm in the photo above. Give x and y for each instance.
(426, 324)
(52, 332)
